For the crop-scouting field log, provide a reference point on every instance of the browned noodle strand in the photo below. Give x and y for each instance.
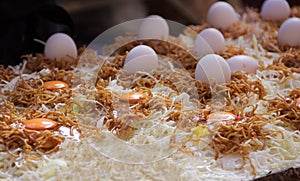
(40, 62)
(25, 102)
(7, 74)
(290, 59)
(241, 87)
(287, 109)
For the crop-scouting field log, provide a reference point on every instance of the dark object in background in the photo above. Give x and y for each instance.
(23, 21)
(291, 174)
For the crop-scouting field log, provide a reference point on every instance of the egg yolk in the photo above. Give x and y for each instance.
(54, 85)
(222, 117)
(132, 97)
(40, 124)
(298, 102)
(200, 131)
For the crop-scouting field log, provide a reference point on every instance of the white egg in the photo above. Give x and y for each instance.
(243, 63)
(222, 15)
(60, 45)
(211, 67)
(154, 27)
(208, 41)
(141, 58)
(275, 10)
(289, 32)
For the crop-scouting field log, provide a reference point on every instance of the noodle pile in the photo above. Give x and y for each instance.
(287, 109)
(27, 99)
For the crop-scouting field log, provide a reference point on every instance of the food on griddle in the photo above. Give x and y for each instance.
(229, 112)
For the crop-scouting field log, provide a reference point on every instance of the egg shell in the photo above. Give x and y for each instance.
(213, 66)
(289, 32)
(209, 40)
(154, 27)
(141, 58)
(222, 15)
(275, 10)
(60, 45)
(243, 63)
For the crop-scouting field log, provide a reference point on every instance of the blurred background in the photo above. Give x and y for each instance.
(23, 21)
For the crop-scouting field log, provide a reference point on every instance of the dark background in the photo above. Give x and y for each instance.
(25, 20)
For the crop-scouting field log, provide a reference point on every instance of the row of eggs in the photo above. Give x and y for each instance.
(131, 97)
(45, 123)
(144, 58)
(210, 40)
(210, 66)
(220, 15)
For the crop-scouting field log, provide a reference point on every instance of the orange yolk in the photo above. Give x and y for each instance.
(298, 102)
(54, 85)
(221, 117)
(40, 124)
(132, 97)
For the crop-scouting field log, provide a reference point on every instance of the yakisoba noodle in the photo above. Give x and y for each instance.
(263, 137)
(287, 109)
(28, 100)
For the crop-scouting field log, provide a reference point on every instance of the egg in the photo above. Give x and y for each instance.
(213, 66)
(54, 85)
(298, 102)
(154, 27)
(60, 45)
(209, 40)
(40, 124)
(200, 131)
(221, 117)
(222, 15)
(132, 97)
(275, 10)
(289, 32)
(141, 58)
(243, 63)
